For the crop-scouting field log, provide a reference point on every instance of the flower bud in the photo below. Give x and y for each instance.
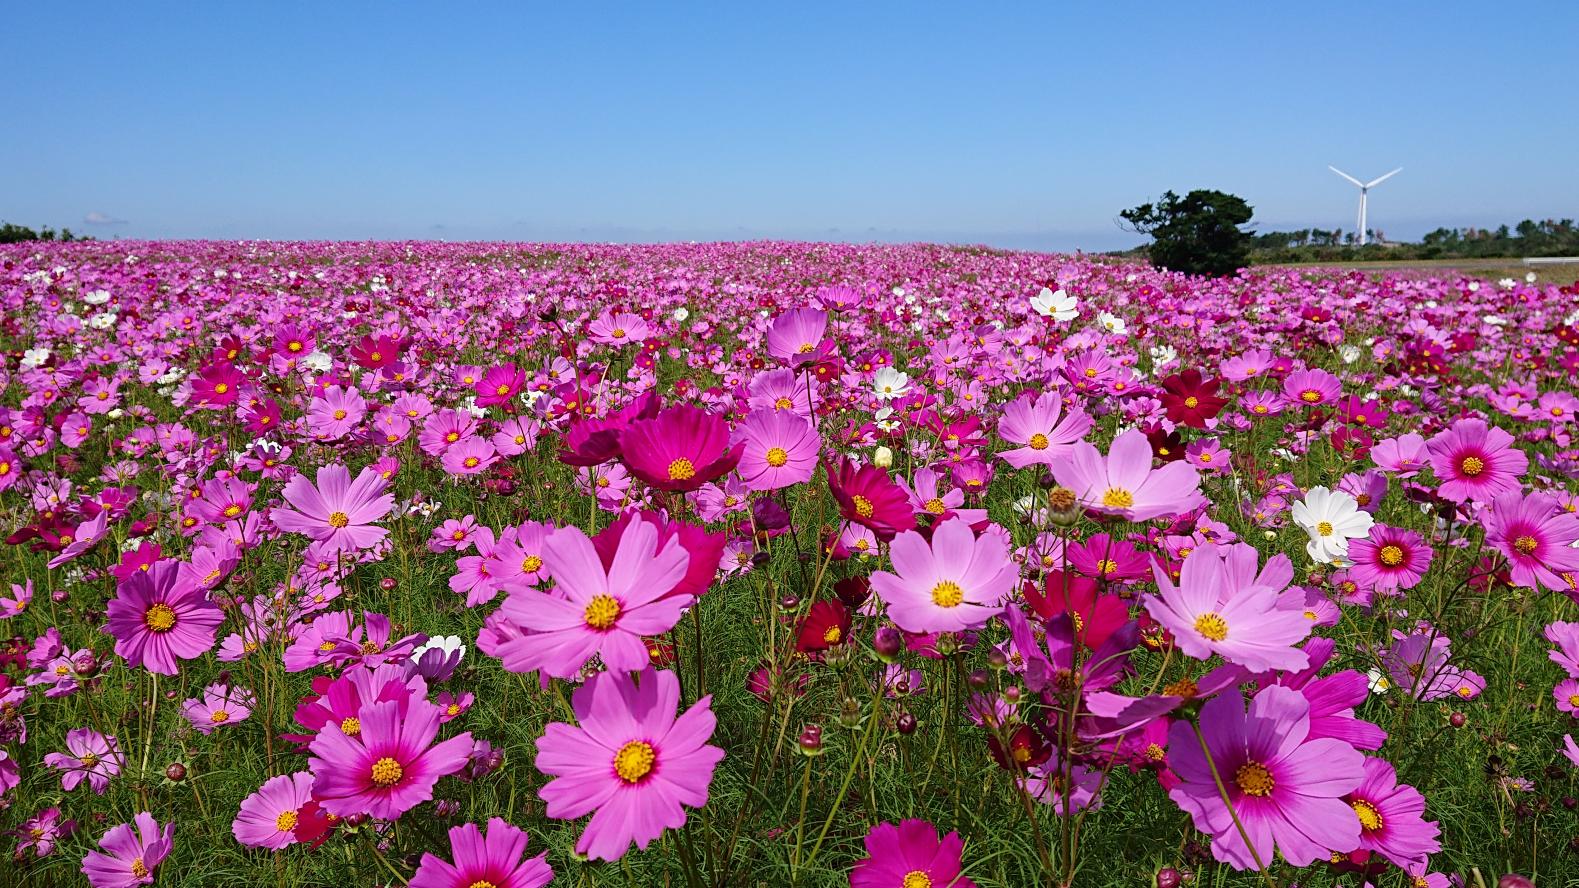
(388, 584)
(888, 643)
(175, 772)
(1513, 880)
(810, 740)
(906, 723)
(882, 457)
(1168, 877)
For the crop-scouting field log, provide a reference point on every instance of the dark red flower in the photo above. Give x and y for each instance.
(1191, 400)
(867, 496)
(826, 624)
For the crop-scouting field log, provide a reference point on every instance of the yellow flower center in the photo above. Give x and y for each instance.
(1117, 498)
(1324, 528)
(232, 510)
(351, 726)
(777, 456)
(1038, 442)
(947, 594)
(387, 772)
(160, 618)
(916, 879)
(602, 611)
(1310, 396)
(832, 635)
(1184, 687)
(1392, 556)
(1107, 566)
(634, 761)
(471, 462)
(618, 333)
(1212, 626)
(1472, 466)
(1192, 402)
(531, 564)
(1370, 818)
(502, 390)
(1155, 753)
(783, 404)
(220, 388)
(339, 414)
(1254, 779)
(863, 506)
(681, 470)
(482, 883)
(219, 715)
(286, 821)
(1524, 545)
(936, 506)
(89, 760)
(139, 869)
(339, 519)
(452, 710)
(452, 437)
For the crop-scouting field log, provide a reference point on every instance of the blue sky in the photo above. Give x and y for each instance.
(1018, 125)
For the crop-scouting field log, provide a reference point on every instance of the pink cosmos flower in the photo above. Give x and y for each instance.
(1215, 610)
(338, 511)
(1475, 461)
(268, 818)
(493, 860)
(1566, 636)
(910, 855)
(157, 617)
(499, 385)
(795, 337)
(1403, 456)
(1310, 388)
(1044, 434)
(1392, 821)
(89, 756)
(631, 761)
(387, 765)
(1536, 535)
(955, 582)
(219, 705)
(473, 456)
(1417, 664)
(1124, 483)
(40, 832)
(680, 449)
(1286, 789)
(1391, 558)
(336, 413)
(781, 449)
(594, 611)
(618, 328)
(132, 856)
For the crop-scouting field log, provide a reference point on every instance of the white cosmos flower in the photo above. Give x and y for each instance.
(1113, 323)
(96, 297)
(890, 383)
(1506, 283)
(35, 357)
(882, 457)
(1377, 681)
(1348, 353)
(1331, 518)
(446, 643)
(317, 362)
(680, 314)
(1529, 277)
(1162, 356)
(1055, 304)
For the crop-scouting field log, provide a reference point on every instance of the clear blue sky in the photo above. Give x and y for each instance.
(1018, 125)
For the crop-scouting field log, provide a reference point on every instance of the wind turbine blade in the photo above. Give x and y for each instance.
(1374, 182)
(1346, 175)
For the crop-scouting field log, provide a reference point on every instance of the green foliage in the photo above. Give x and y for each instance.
(1551, 237)
(1196, 234)
(11, 233)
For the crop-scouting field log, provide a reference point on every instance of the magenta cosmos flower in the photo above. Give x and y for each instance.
(1215, 610)
(130, 855)
(1309, 388)
(781, 449)
(156, 618)
(631, 761)
(382, 762)
(954, 583)
(1475, 461)
(1041, 429)
(1536, 535)
(268, 817)
(910, 855)
(338, 512)
(867, 496)
(1286, 789)
(89, 756)
(680, 449)
(1124, 484)
(1391, 558)
(795, 336)
(491, 861)
(593, 611)
(1392, 817)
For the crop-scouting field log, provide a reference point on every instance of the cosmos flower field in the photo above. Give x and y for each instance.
(496, 566)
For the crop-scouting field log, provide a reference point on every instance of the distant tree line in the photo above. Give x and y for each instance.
(1551, 237)
(15, 234)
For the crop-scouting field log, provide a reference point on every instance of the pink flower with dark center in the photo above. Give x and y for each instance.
(1475, 461)
(1392, 821)
(680, 449)
(631, 761)
(338, 512)
(1536, 535)
(157, 617)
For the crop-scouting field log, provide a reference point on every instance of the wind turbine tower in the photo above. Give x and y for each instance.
(1365, 188)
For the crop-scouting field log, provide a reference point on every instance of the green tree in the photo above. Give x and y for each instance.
(1196, 234)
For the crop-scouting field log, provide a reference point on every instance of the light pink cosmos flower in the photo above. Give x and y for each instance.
(593, 611)
(631, 760)
(89, 756)
(338, 511)
(1214, 611)
(158, 617)
(132, 856)
(781, 449)
(1041, 428)
(268, 817)
(954, 583)
(386, 763)
(1124, 483)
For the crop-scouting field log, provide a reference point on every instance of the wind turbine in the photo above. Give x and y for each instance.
(1364, 188)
